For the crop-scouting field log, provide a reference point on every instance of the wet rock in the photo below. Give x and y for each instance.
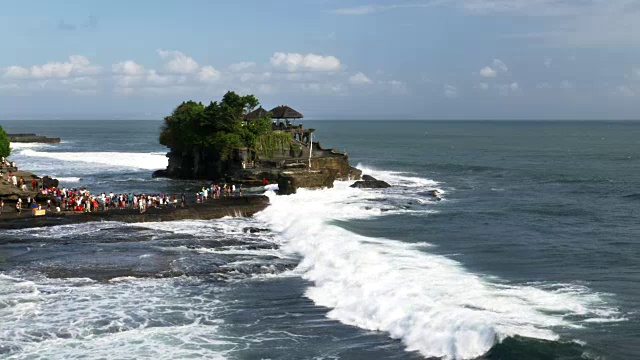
(370, 184)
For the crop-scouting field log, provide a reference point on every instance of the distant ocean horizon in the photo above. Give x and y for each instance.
(532, 253)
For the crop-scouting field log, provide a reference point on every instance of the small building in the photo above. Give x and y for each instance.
(285, 113)
(256, 114)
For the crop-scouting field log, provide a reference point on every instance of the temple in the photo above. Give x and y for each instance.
(287, 155)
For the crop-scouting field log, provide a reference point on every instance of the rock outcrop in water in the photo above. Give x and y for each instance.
(32, 138)
(225, 143)
(369, 182)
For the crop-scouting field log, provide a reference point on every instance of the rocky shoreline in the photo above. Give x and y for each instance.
(213, 209)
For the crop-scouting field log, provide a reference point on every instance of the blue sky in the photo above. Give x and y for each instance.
(422, 59)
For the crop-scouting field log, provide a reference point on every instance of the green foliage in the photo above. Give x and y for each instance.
(5, 149)
(216, 128)
(270, 143)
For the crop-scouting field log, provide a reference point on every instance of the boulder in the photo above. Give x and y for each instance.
(290, 181)
(49, 182)
(355, 173)
(368, 178)
(370, 184)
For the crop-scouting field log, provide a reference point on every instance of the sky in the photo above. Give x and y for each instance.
(329, 59)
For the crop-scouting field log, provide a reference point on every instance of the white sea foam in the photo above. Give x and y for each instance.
(430, 302)
(66, 180)
(128, 317)
(21, 146)
(398, 178)
(148, 161)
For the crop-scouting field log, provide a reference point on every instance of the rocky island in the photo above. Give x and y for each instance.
(234, 141)
(31, 138)
(230, 141)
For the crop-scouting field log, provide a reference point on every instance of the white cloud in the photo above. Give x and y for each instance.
(16, 72)
(508, 89)
(492, 71)
(80, 82)
(242, 66)
(158, 80)
(129, 67)
(360, 10)
(177, 62)
(82, 65)
(450, 91)
(359, 79)
(578, 23)
(296, 61)
(483, 86)
(487, 72)
(370, 9)
(77, 65)
(51, 70)
(499, 65)
(208, 74)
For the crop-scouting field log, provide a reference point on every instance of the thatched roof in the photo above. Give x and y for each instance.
(285, 112)
(256, 114)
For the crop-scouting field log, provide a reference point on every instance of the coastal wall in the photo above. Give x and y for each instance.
(214, 209)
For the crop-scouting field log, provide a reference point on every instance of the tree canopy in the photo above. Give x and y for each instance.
(217, 127)
(5, 148)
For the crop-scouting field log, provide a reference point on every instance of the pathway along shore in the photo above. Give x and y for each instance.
(212, 209)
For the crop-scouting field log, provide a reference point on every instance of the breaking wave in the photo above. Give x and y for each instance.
(430, 302)
(148, 161)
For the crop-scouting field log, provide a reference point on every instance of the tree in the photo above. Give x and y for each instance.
(5, 148)
(216, 128)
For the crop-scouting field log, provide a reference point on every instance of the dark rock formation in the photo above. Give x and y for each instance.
(238, 206)
(31, 138)
(289, 172)
(369, 182)
(49, 182)
(289, 181)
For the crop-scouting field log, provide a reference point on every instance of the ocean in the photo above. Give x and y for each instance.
(533, 253)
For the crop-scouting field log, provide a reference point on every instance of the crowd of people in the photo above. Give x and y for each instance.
(82, 200)
(216, 191)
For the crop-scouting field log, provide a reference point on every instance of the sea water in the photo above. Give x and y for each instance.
(531, 254)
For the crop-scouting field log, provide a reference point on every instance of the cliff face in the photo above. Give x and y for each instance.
(197, 164)
(289, 168)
